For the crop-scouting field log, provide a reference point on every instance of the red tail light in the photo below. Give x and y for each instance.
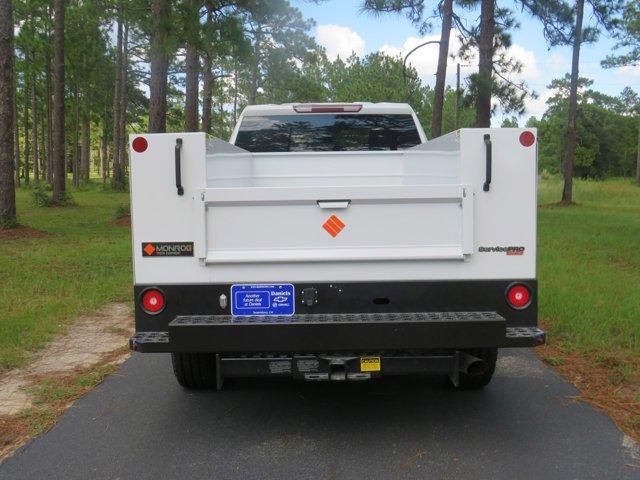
(152, 301)
(527, 138)
(519, 296)
(139, 144)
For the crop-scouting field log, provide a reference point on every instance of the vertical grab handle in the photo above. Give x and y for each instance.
(178, 167)
(487, 145)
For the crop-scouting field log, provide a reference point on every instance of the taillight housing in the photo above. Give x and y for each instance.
(518, 296)
(139, 144)
(527, 138)
(152, 301)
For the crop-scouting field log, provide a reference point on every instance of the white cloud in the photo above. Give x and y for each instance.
(558, 63)
(627, 70)
(527, 58)
(535, 107)
(339, 41)
(425, 59)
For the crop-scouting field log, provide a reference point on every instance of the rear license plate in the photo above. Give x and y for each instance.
(250, 300)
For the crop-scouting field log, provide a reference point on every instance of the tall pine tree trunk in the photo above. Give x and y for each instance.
(59, 173)
(25, 122)
(34, 116)
(207, 80)
(207, 93)
(159, 67)
(192, 65)
(48, 143)
(441, 73)
(253, 93)
(43, 146)
(104, 160)
(485, 64)
(255, 70)
(76, 136)
(7, 117)
(109, 163)
(123, 106)
(85, 157)
(117, 182)
(16, 130)
(567, 191)
(221, 122)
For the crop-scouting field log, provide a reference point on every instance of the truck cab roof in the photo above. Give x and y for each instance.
(337, 107)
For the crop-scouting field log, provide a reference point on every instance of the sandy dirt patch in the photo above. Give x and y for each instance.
(89, 344)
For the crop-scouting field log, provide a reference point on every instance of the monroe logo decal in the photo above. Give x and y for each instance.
(507, 250)
(167, 249)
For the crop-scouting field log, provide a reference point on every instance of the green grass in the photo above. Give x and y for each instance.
(46, 283)
(589, 266)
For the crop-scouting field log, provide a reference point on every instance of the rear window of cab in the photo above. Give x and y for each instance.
(327, 132)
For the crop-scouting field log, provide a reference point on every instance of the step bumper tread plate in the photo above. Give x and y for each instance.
(337, 332)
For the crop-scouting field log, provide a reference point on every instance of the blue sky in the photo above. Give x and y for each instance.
(341, 28)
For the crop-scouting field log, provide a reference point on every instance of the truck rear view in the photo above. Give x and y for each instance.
(333, 242)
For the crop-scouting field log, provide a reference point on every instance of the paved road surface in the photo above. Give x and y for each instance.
(139, 424)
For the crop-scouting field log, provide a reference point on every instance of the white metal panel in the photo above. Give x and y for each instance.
(158, 213)
(399, 252)
(307, 169)
(382, 223)
(504, 216)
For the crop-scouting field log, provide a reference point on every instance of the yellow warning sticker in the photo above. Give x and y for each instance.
(369, 364)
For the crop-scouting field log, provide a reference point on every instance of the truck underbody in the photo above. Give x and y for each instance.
(410, 327)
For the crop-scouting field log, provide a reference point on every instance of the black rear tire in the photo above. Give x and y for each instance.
(195, 370)
(475, 382)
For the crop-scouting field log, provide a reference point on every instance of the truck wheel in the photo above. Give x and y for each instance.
(195, 370)
(474, 382)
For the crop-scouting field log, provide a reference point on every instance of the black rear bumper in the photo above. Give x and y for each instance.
(337, 333)
(349, 317)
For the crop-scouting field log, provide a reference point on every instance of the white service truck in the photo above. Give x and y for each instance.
(334, 242)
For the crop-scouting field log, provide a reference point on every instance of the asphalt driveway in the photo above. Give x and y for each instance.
(140, 424)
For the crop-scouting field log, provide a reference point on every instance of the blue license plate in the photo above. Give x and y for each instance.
(263, 299)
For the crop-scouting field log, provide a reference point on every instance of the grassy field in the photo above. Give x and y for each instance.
(81, 262)
(589, 269)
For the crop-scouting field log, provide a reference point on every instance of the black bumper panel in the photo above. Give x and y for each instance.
(355, 332)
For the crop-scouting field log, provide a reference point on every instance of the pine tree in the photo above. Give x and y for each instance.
(7, 188)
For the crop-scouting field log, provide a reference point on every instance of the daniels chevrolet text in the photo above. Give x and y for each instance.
(334, 242)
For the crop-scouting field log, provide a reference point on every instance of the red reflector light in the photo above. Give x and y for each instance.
(527, 139)
(336, 108)
(152, 301)
(139, 144)
(519, 297)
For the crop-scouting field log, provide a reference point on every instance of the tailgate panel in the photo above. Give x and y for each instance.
(380, 223)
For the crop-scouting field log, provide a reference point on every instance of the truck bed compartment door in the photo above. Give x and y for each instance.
(328, 224)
